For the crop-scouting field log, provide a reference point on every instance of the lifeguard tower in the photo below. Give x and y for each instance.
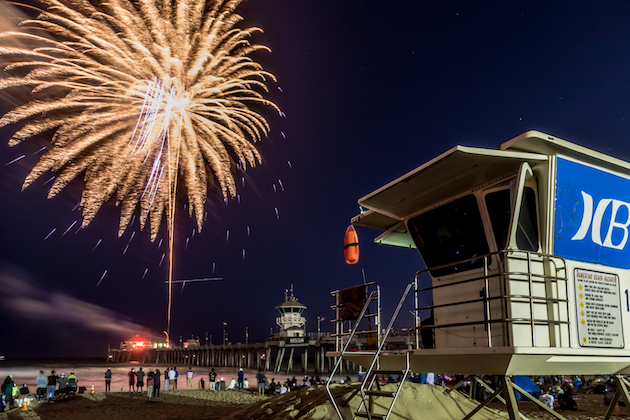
(528, 263)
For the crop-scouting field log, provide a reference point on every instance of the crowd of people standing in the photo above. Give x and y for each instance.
(157, 381)
(53, 386)
(49, 387)
(154, 379)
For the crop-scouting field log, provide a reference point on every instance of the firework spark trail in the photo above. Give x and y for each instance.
(69, 227)
(149, 115)
(132, 90)
(102, 277)
(51, 232)
(15, 160)
(97, 244)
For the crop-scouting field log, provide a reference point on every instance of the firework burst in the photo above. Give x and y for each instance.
(139, 94)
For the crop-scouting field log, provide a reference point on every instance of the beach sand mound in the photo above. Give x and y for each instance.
(416, 401)
(172, 405)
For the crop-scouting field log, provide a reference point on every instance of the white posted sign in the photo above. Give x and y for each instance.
(598, 309)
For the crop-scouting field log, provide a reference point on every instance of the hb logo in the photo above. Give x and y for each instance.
(588, 219)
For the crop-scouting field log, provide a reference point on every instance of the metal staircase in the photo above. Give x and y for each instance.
(370, 387)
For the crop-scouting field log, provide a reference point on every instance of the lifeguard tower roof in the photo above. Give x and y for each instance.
(459, 170)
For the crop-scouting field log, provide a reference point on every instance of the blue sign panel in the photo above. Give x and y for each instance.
(592, 215)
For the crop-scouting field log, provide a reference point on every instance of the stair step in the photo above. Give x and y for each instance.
(374, 416)
(378, 393)
(388, 372)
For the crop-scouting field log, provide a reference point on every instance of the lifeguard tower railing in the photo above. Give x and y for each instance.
(348, 305)
(352, 306)
(523, 301)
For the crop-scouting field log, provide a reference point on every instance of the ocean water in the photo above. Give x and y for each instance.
(92, 372)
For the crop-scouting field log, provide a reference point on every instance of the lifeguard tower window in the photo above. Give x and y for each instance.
(527, 230)
(448, 234)
(499, 210)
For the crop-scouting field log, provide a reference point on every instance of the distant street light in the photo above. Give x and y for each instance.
(319, 320)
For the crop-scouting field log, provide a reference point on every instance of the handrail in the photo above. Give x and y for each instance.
(369, 283)
(537, 299)
(380, 350)
(495, 321)
(340, 358)
(540, 278)
(402, 381)
(552, 272)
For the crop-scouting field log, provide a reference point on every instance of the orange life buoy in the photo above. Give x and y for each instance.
(351, 246)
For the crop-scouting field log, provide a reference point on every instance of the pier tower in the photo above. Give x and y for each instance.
(291, 321)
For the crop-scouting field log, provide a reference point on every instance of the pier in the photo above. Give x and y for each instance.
(280, 355)
(291, 349)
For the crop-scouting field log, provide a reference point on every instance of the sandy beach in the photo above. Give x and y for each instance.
(415, 402)
(91, 374)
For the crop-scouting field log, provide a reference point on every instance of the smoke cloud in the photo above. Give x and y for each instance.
(22, 296)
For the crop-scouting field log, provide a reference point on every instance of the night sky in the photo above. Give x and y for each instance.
(371, 90)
